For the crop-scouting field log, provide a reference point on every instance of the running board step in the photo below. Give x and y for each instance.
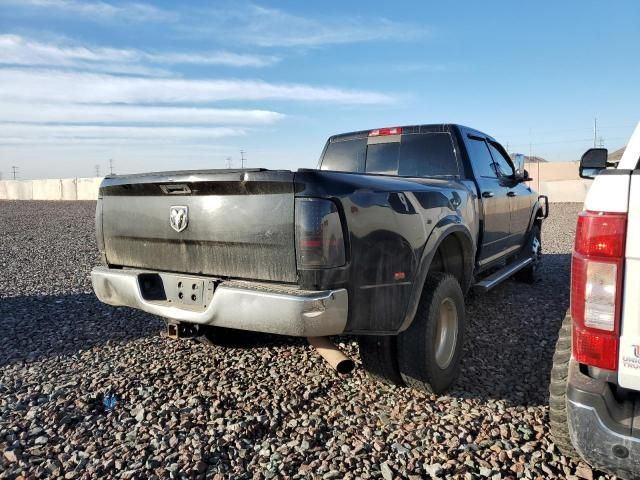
(501, 275)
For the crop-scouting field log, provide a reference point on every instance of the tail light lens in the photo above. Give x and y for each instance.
(319, 237)
(596, 287)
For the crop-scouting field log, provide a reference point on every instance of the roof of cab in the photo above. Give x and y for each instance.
(424, 128)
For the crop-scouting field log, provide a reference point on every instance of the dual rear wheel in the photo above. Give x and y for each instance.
(427, 355)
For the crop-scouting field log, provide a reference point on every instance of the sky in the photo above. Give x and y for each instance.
(187, 85)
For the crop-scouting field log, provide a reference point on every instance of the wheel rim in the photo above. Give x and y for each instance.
(446, 334)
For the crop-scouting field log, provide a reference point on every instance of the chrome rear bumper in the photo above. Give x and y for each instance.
(242, 305)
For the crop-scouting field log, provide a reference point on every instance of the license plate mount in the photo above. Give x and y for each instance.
(188, 291)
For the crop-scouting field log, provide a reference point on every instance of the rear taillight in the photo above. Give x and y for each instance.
(596, 287)
(319, 237)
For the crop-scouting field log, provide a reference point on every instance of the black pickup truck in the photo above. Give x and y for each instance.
(382, 241)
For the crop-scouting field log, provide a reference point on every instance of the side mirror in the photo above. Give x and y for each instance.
(593, 161)
(521, 174)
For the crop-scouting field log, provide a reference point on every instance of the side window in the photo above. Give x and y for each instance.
(481, 159)
(503, 164)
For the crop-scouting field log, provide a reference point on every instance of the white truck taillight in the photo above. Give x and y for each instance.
(596, 287)
(319, 236)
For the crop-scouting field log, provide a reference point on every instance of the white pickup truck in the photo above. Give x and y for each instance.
(595, 382)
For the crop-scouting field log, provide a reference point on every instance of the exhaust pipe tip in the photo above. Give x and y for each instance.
(332, 354)
(345, 367)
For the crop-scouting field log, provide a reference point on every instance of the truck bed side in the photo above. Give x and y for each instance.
(389, 221)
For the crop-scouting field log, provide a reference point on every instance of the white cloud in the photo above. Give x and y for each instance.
(229, 59)
(242, 22)
(77, 87)
(99, 10)
(17, 50)
(12, 134)
(270, 27)
(39, 112)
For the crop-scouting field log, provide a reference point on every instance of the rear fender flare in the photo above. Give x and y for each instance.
(447, 226)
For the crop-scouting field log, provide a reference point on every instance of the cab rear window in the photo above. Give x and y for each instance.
(345, 155)
(414, 155)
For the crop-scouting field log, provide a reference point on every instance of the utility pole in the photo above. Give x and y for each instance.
(595, 132)
(97, 170)
(111, 166)
(229, 162)
(242, 152)
(15, 172)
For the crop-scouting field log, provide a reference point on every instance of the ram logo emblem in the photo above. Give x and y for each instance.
(179, 218)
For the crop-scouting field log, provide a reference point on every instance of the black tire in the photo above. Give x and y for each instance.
(418, 355)
(224, 337)
(559, 428)
(530, 273)
(380, 358)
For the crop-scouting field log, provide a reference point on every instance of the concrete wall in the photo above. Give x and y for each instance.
(552, 171)
(565, 190)
(559, 181)
(17, 190)
(47, 189)
(68, 190)
(50, 189)
(87, 188)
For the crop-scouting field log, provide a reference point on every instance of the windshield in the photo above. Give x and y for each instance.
(413, 155)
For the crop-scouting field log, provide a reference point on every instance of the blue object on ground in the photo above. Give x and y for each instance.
(109, 402)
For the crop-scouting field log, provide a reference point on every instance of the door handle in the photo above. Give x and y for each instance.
(487, 194)
(511, 194)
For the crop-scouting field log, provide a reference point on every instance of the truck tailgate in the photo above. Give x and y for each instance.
(239, 224)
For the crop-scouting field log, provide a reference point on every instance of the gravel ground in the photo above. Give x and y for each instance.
(270, 409)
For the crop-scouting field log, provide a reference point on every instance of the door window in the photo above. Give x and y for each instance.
(481, 158)
(503, 164)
